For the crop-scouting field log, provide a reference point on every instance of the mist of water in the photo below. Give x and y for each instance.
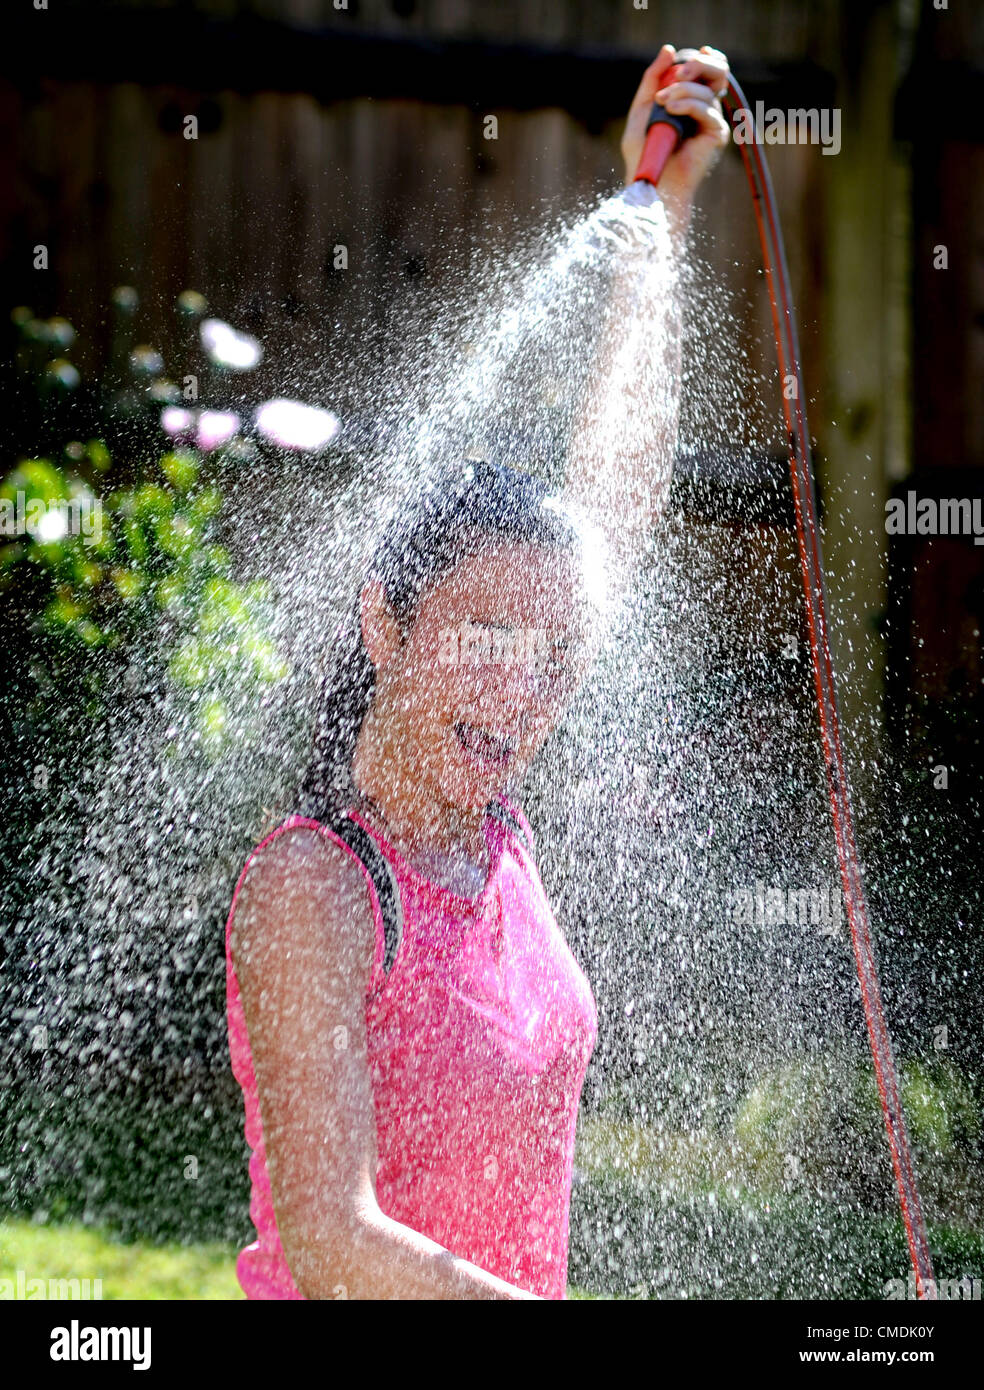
(685, 782)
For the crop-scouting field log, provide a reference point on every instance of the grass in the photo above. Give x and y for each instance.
(137, 1270)
(128, 1270)
(142, 1270)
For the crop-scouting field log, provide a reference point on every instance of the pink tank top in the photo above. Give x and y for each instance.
(478, 1042)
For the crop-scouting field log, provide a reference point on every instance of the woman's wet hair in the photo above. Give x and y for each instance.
(463, 508)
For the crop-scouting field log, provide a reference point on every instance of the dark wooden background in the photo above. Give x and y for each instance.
(363, 126)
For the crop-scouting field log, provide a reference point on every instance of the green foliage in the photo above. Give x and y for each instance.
(939, 1106)
(828, 1111)
(138, 568)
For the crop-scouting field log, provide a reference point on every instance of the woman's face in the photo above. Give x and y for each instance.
(496, 650)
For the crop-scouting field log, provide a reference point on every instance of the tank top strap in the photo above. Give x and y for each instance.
(509, 814)
(382, 877)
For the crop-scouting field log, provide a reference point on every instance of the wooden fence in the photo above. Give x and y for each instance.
(363, 126)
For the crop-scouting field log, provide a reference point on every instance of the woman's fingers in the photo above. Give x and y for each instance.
(686, 89)
(708, 117)
(635, 126)
(696, 100)
(700, 83)
(692, 75)
(711, 66)
(649, 84)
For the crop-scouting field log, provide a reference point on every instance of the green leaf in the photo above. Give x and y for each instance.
(219, 559)
(188, 666)
(180, 468)
(170, 591)
(129, 584)
(214, 719)
(35, 478)
(205, 504)
(86, 572)
(176, 536)
(150, 502)
(98, 455)
(136, 540)
(63, 610)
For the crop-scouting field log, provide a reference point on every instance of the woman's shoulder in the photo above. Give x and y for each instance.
(298, 842)
(303, 885)
(301, 857)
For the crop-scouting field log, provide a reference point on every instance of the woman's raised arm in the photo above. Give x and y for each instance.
(621, 457)
(302, 945)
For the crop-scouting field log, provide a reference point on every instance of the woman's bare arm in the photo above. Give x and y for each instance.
(620, 462)
(303, 943)
(623, 445)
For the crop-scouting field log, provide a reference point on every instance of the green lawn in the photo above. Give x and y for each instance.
(127, 1270)
(135, 1270)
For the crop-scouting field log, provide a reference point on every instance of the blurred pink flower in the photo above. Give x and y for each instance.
(216, 427)
(205, 429)
(177, 422)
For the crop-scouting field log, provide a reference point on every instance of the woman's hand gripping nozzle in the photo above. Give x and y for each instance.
(675, 130)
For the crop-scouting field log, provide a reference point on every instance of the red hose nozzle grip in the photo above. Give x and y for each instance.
(665, 132)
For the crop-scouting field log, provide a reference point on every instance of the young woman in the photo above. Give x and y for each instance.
(417, 1053)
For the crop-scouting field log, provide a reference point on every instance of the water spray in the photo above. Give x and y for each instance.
(665, 132)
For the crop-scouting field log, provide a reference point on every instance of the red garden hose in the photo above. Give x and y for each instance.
(663, 137)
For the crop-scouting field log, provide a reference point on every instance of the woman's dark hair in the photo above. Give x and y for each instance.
(448, 520)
